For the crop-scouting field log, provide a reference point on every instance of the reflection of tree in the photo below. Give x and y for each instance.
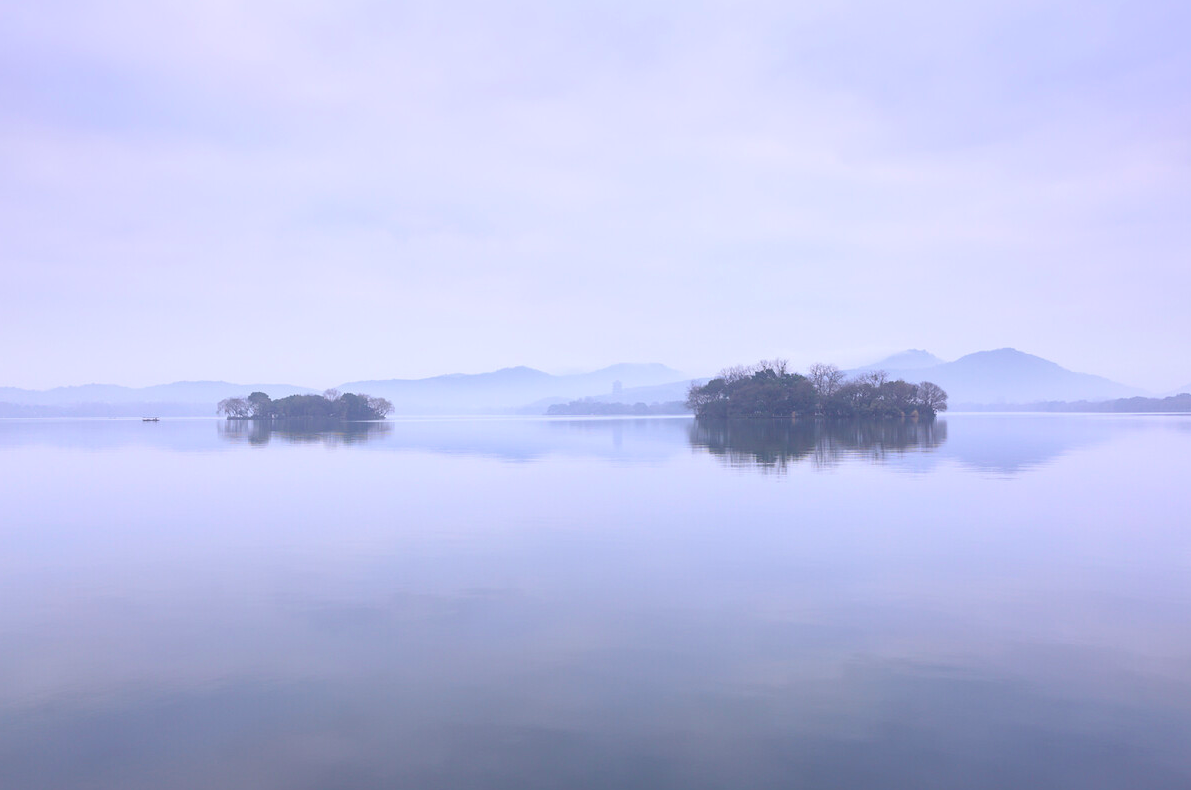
(330, 432)
(774, 444)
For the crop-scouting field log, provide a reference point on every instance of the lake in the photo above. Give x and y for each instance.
(991, 601)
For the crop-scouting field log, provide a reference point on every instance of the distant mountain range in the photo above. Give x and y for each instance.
(507, 389)
(503, 390)
(178, 392)
(1003, 376)
(986, 378)
(912, 359)
(656, 393)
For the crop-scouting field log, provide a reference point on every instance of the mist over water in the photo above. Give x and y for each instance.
(288, 212)
(987, 601)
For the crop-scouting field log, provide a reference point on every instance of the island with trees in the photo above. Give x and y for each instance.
(331, 406)
(770, 389)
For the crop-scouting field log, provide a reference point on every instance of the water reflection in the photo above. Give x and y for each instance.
(327, 432)
(510, 603)
(1008, 444)
(773, 445)
(998, 444)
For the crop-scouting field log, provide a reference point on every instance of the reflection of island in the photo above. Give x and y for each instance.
(1003, 444)
(516, 439)
(774, 444)
(302, 431)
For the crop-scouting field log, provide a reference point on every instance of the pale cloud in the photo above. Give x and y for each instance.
(383, 191)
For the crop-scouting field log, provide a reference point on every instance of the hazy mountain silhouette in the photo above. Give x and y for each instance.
(177, 392)
(179, 399)
(507, 389)
(500, 390)
(911, 359)
(1007, 376)
(657, 393)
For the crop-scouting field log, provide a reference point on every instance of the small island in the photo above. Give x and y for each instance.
(770, 389)
(330, 406)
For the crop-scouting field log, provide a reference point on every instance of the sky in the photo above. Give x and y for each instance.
(318, 193)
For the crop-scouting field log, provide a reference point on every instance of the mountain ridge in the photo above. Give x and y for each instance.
(982, 378)
(200, 391)
(1009, 376)
(910, 359)
(508, 388)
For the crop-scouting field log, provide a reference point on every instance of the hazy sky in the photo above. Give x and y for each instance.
(315, 193)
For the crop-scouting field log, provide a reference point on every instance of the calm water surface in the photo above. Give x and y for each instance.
(989, 602)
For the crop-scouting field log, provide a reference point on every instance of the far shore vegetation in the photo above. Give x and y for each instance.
(332, 406)
(588, 407)
(1174, 404)
(770, 389)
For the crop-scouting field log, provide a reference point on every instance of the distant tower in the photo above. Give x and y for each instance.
(617, 387)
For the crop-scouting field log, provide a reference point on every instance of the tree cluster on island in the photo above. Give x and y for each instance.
(770, 389)
(332, 405)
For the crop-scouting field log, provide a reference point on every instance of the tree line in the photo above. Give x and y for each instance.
(331, 405)
(595, 408)
(1174, 404)
(770, 389)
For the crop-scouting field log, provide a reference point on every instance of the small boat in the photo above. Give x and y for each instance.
(150, 419)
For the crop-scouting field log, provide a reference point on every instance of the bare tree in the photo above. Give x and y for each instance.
(874, 378)
(827, 379)
(932, 396)
(380, 406)
(779, 366)
(234, 407)
(736, 373)
(331, 394)
(901, 394)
